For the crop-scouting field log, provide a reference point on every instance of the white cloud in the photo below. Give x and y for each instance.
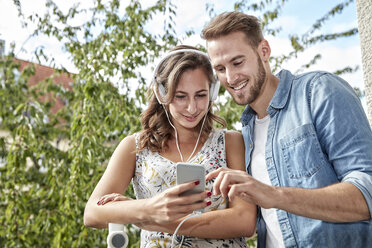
(344, 26)
(333, 58)
(194, 40)
(289, 24)
(190, 15)
(278, 45)
(10, 25)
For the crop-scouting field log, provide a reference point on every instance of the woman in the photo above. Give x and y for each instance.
(177, 124)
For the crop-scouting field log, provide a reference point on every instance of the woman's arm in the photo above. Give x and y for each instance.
(165, 207)
(239, 220)
(115, 179)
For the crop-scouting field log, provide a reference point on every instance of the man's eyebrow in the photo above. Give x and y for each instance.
(230, 61)
(236, 57)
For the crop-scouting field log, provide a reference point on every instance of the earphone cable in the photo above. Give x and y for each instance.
(194, 214)
(176, 134)
(175, 130)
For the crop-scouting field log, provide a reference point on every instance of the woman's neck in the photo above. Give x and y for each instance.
(187, 136)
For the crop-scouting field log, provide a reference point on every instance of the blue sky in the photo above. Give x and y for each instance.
(296, 17)
(347, 19)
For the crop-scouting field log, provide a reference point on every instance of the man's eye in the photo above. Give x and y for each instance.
(220, 69)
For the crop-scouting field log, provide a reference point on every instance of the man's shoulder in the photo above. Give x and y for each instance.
(323, 80)
(311, 76)
(301, 79)
(317, 79)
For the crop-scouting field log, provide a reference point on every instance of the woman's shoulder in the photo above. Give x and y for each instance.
(216, 134)
(226, 137)
(233, 136)
(227, 134)
(130, 138)
(234, 139)
(135, 138)
(235, 150)
(129, 143)
(125, 150)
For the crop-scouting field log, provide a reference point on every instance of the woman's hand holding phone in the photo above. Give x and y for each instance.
(174, 203)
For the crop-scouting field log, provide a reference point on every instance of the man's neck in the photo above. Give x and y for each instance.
(262, 102)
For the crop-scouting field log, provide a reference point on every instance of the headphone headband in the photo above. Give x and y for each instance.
(213, 91)
(175, 52)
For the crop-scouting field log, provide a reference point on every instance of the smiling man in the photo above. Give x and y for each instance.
(308, 144)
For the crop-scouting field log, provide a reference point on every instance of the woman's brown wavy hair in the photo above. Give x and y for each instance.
(156, 130)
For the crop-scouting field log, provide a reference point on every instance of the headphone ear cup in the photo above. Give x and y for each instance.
(161, 90)
(213, 91)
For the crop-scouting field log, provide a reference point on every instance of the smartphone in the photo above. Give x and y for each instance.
(191, 172)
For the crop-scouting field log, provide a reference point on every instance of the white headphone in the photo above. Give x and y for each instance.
(117, 236)
(213, 90)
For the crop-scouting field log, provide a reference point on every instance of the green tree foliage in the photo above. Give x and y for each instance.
(45, 188)
(45, 185)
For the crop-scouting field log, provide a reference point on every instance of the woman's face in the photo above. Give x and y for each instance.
(191, 99)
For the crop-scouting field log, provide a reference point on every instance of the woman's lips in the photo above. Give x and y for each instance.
(191, 118)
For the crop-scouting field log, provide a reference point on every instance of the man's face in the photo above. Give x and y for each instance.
(238, 66)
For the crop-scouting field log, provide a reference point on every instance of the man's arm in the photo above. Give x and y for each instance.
(341, 202)
(345, 136)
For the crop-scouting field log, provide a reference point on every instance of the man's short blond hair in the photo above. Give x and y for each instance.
(229, 22)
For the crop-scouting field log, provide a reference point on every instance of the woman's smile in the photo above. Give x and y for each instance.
(191, 118)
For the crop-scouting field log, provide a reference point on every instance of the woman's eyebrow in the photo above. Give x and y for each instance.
(184, 92)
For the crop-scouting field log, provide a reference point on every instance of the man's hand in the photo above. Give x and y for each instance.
(230, 183)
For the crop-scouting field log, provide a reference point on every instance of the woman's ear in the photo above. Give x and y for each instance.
(264, 50)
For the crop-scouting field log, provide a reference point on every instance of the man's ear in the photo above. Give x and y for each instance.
(264, 50)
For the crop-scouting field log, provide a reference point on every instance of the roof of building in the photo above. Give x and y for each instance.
(41, 73)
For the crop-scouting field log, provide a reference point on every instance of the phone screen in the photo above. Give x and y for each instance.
(191, 172)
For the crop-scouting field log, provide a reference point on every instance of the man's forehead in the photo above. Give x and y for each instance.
(224, 55)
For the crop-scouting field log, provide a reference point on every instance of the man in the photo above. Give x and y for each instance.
(308, 144)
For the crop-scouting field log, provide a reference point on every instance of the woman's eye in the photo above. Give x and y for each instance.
(201, 95)
(180, 97)
(237, 63)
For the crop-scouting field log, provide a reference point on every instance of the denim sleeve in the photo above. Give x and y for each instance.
(343, 131)
(363, 182)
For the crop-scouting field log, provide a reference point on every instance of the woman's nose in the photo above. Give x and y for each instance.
(192, 106)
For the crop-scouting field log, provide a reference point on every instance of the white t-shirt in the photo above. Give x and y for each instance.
(274, 236)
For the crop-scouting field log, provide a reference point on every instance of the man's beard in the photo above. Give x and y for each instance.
(255, 89)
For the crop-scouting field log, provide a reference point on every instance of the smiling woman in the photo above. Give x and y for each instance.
(177, 124)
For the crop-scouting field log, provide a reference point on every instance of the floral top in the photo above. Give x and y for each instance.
(154, 174)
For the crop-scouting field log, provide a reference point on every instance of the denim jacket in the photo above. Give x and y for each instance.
(318, 135)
